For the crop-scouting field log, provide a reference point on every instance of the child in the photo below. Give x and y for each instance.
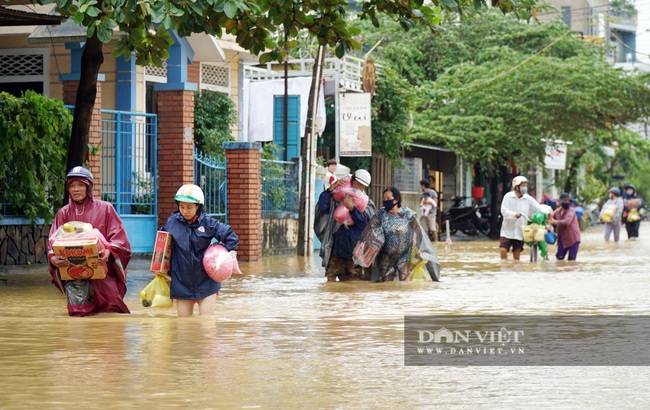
(192, 231)
(428, 210)
(330, 178)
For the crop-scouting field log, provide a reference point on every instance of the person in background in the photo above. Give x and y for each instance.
(99, 295)
(330, 178)
(338, 241)
(516, 208)
(632, 211)
(611, 214)
(428, 211)
(568, 230)
(426, 187)
(192, 231)
(397, 241)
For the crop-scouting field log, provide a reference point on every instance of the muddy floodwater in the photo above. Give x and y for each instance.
(284, 338)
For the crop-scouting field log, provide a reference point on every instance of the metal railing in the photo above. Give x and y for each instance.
(210, 175)
(280, 187)
(129, 161)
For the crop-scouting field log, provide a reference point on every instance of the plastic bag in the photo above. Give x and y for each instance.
(550, 238)
(539, 218)
(342, 215)
(420, 274)
(219, 263)
(156, 294)
(608, 214)
(341, 191)
(79, 291)
(72, 229)
(633, 215)
(364, 254)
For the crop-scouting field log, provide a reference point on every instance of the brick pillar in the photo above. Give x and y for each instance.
(175, 147)
(194, 72)
(243, 161)
(70, 88)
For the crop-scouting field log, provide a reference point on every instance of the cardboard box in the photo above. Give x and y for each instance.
(162, 253)
(83, 255)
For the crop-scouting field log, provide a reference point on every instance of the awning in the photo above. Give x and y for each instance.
(13, 18)
(67, 32)
(430, 147)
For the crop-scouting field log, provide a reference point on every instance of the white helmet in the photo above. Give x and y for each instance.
(516, 181)
(190, 193)
(363, 177)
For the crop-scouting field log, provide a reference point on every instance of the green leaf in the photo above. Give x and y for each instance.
(93, 11)
(231, 9)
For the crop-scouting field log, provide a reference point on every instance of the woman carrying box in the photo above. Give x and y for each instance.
(85, 296)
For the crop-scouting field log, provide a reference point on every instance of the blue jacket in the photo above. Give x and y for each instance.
(189, 279)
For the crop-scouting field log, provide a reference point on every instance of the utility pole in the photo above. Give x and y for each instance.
(307, 153)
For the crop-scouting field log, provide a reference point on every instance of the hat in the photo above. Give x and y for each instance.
(564, 197)
(615, 190)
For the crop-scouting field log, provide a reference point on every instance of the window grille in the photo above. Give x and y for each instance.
(215, 78)
(21, 65)
(154, 71)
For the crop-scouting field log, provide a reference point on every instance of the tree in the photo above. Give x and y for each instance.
(496, 90)
(214, 114)
(145, 30)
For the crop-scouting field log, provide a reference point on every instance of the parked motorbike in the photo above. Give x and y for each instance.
(470, 220)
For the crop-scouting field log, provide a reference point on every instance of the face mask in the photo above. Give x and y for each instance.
(565, 205)
(523, 190)
(630, 192)
(389, 204)
(611, 196)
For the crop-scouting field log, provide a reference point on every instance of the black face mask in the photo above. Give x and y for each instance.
(389, 204)
(565, 205)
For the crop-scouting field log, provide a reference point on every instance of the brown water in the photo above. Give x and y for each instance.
(283, 338)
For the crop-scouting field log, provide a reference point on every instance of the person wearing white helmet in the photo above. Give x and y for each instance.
(338, 241)
(85, 296)
(516, 208)
(192, 231)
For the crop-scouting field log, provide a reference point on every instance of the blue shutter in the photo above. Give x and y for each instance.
(293, 125)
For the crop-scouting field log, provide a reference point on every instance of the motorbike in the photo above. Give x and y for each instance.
(470, 220)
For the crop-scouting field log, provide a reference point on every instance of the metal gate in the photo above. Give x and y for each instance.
(129, 173)
(210, 175)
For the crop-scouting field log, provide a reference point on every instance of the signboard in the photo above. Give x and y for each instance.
(408, 179)
(555, 156)
(354, 125)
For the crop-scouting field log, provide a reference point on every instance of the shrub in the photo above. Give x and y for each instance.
(35, 135)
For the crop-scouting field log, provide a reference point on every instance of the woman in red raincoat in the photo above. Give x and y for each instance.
(88, 297)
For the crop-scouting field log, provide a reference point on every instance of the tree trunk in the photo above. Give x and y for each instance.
(573, 171)
(91, 61)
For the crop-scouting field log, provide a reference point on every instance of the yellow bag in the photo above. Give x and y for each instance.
(533, 233)
(608, 215)
(633, 215)
(156, 294)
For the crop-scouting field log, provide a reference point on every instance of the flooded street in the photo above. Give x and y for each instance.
(284, 338)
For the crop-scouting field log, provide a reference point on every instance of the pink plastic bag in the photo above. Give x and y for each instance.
(219, 264)
(341, 191)
(342, 215)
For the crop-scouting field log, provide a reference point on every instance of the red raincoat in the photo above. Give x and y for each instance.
(108, 292)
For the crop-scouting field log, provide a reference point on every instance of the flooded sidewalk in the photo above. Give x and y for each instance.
(282, 337)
